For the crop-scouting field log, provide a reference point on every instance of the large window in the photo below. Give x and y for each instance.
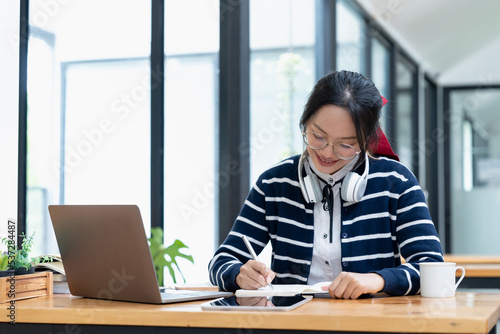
(380, 76)
(88, 108)
(350, 38)
(89, 128)
(9, 83)
(405, 115)
(282, 70)
(281, 77)
(191, 109)
(474, 170)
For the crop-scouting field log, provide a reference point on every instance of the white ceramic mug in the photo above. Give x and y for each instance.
(437, 279)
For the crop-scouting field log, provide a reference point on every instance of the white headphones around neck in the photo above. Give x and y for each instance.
(352, 189)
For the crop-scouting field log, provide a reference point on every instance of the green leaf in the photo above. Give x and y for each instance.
(4, 262)
(166, 257)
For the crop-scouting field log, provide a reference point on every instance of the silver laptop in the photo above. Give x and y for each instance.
(106, 255)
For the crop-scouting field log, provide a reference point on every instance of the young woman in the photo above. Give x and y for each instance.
(338, 212)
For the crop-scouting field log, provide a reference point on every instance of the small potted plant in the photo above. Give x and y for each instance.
(17, 260)
(166, 256)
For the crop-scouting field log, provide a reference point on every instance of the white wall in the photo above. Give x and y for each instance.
(9, 79)
(478, 69)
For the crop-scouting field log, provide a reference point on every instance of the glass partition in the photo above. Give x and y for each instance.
(474, 148)
(405, 114)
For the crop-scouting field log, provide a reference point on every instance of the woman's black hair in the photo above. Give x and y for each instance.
(356, 94)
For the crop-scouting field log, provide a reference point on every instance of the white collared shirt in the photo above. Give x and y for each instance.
(326, 262)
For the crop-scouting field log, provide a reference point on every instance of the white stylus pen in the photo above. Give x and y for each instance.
(252, 252)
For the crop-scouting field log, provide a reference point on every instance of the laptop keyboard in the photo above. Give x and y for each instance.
(167, 293)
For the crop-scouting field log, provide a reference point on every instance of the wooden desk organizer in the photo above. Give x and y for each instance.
(25, 286)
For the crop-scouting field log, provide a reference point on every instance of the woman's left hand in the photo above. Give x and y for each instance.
(349, 285)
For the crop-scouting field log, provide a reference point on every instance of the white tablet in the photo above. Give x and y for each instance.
(257, 303)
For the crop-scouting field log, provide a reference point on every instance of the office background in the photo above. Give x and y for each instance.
(177, 106)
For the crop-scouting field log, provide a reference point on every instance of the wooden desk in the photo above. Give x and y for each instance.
(481, 271)
(467, 312)
(472, 259)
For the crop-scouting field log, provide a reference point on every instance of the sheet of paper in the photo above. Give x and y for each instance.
(284, 290)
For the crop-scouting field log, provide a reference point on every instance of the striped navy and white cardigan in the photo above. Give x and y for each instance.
(391, 221)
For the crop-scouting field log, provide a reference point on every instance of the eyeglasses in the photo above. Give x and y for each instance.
(317, 142)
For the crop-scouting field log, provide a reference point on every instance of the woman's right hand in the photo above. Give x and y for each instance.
(254, 275)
